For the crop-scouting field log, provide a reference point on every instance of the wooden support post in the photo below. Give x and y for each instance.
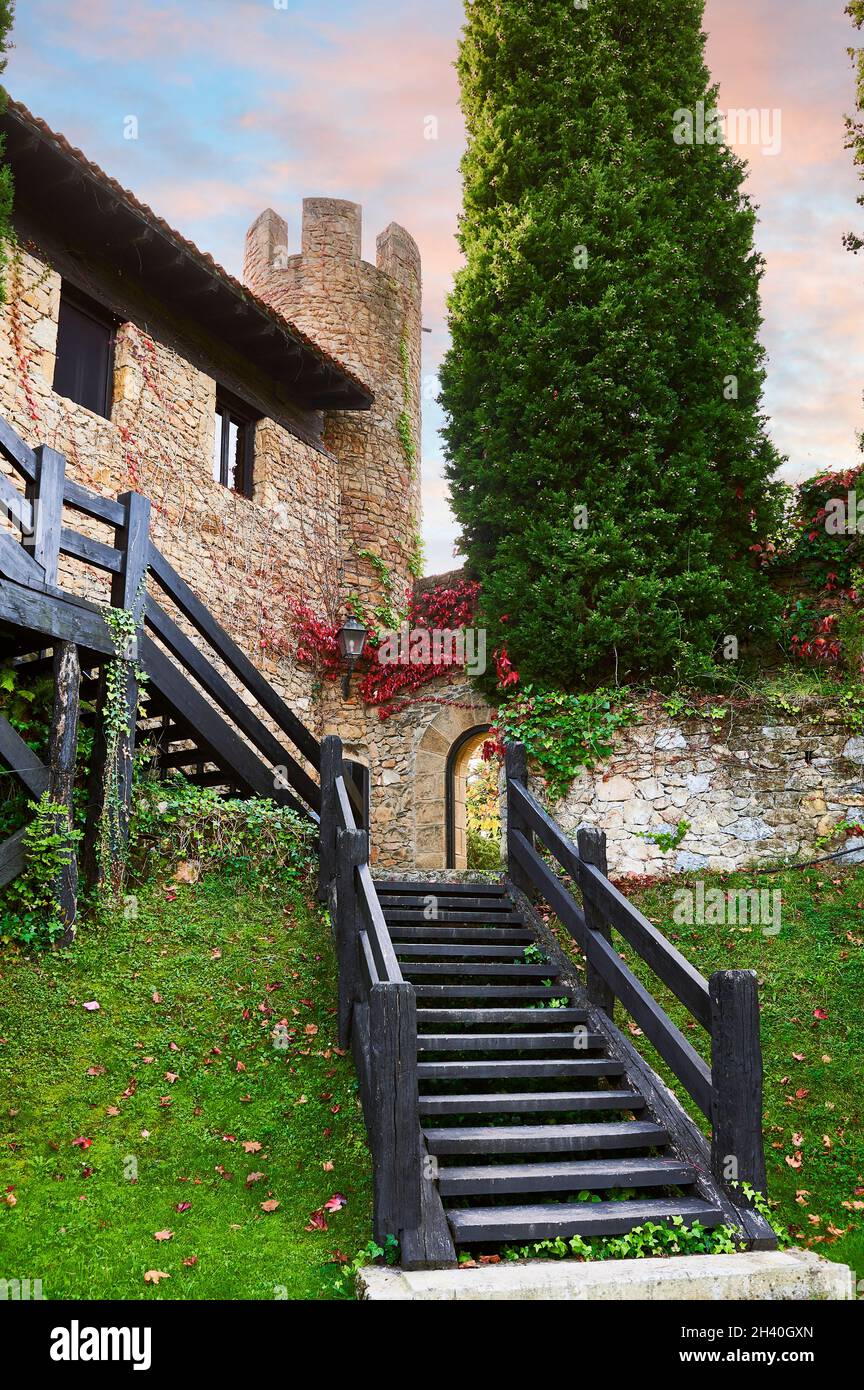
(516, 770)
(113, 751)
(736, 1081)
(591, 842)
(394, 1110)
(62, 761)
(46, 495)
(331, 768)
(352, 849)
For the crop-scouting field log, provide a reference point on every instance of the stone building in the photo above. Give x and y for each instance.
(275, 425)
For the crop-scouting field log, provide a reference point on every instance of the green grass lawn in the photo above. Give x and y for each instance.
(171, 1109)
(812, 1013)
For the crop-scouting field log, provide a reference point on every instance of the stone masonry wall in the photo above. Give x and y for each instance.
(242, 557)
(753, 787)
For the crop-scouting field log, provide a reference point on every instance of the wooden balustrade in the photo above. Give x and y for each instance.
(729, 1092)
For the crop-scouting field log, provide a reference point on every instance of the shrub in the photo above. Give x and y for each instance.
(176, 821)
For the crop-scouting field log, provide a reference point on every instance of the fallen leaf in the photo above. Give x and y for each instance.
(253, 1178)
(336, 1202)
(171, 1076)
(251, 1146)
(190, 1260)
(794, 1162)
(820, 1014)
(154, 1275)
(95, 1071)
(156, 997)
(328, 1166)
(316, 1222)
(183, 1206)
(81, 1142)
(269, 1205)
(163, 1235)
(92, 1007)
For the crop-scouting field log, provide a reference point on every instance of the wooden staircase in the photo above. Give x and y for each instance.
(532, 1123)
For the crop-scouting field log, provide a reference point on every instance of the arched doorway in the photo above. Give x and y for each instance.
(471, 804)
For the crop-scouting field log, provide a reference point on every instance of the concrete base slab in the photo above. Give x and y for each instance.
(764, 1274)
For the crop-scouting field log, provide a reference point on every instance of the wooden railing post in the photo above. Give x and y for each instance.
(62, 762)
(591, 842)
(394, 1109)
(111, 774)
(737, 1153)
(352, 849)
(45, 494)
(331, 768)
(516, 770)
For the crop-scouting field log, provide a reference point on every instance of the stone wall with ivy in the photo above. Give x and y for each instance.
(744, 782)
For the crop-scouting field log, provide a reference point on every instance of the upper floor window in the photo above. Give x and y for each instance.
(84, 367)
(234, 445)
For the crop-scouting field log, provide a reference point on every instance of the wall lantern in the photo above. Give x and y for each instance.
(352, 642)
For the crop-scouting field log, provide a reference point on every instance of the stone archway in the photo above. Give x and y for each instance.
(451, 725)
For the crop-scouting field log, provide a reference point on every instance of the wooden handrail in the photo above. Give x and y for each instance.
(225, 647)
(692, 1071)
(729, 1092)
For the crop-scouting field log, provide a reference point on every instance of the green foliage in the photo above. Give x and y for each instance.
(30, 912)
(650, 1239)
(604, 386)
(7, 14)
(403, 424)
(665, 840)
(255, 841)
(565, 733)
(372, 1253)
(483, 816)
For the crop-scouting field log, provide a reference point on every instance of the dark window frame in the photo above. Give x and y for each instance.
(234, 411)
(73, 298)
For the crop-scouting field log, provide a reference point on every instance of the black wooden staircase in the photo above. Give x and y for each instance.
(528, 1114)
(502, 1102)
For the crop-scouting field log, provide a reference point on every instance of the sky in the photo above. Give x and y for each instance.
(247, 104)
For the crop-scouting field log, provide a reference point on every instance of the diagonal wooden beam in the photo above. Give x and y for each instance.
(12, 857)
(20, 758)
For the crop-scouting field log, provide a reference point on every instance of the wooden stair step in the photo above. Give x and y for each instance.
(529, 1102)
(466, 915)
(577, 1041)
(418, 901)
(433, 950)
(526, 991)
(516, 1069)
(419, 886)
(427, 969)
(475, 1225)
(532, 1017)
(589, 1175)
(505, 1139)
(476, 935)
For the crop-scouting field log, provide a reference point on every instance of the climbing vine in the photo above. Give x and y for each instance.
(111, 848)
(403, 424)
(31, 910)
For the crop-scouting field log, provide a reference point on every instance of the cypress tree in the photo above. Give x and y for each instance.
(607, 456)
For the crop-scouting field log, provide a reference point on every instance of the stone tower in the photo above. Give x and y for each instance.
(368, 316)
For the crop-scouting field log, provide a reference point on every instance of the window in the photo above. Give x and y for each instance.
(84, 367)
(234, 445)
